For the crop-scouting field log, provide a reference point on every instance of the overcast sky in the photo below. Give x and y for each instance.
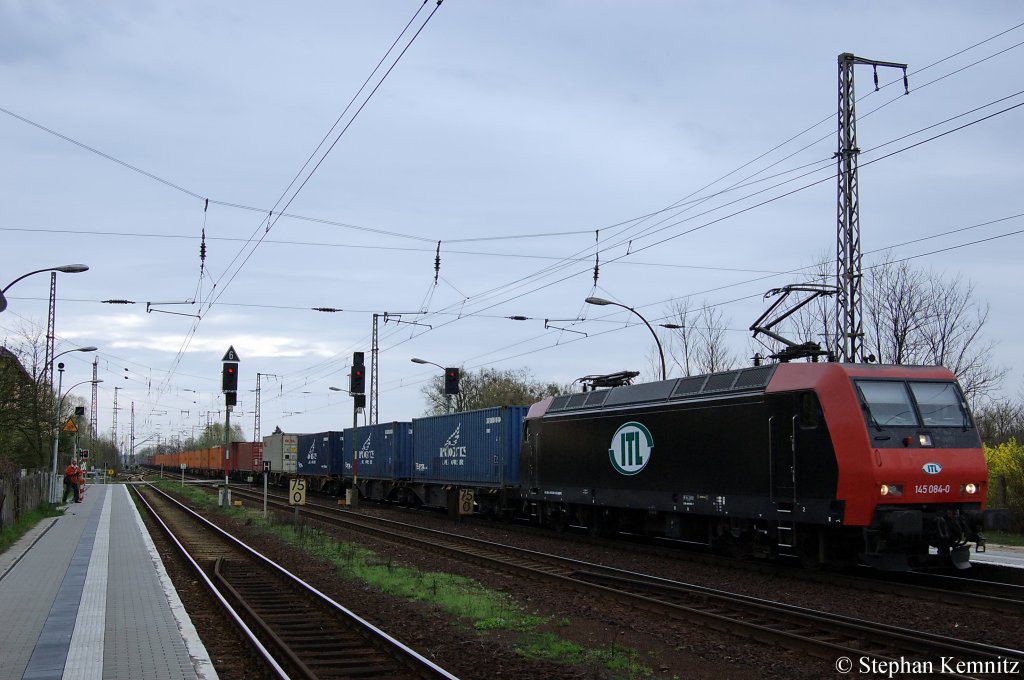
(525, 137)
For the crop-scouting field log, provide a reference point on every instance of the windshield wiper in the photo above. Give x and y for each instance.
(867, 409)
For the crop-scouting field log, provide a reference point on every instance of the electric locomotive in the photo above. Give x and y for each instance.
(833, 463)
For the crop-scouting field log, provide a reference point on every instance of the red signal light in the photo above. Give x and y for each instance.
(229, 378)
(357, 381)
(451, 381)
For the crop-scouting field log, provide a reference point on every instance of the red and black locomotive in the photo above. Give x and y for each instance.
(835, 463)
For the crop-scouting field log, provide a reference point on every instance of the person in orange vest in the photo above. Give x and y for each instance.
(71, 473)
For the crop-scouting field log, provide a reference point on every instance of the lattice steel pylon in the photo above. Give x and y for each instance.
(374, 391)
(51, 319)
(113, 428)
(849, 330)
(257, 439)
(95, 399)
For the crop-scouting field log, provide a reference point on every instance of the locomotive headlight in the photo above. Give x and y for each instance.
(969, 489)
(924, 439)
(891, 490)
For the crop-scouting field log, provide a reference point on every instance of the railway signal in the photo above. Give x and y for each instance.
(229, 377)
(451, 381)
(229, 384)
(357, 377)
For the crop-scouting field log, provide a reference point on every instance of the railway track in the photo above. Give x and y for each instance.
(976, 593)
(822, 634)
(299, 632)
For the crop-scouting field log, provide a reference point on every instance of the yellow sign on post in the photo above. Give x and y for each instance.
(466, 501)
(70, 426)
(296, 491)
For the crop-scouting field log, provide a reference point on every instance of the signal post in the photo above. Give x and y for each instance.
(356, 388)
(229, 385)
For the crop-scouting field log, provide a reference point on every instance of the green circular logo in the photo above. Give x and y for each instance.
(631, 448)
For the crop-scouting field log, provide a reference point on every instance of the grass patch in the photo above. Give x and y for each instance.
(550, 647)
(1004, 538)
(465, 598)
(9, 535)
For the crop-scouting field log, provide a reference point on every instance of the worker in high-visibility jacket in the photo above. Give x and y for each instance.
(71, 476)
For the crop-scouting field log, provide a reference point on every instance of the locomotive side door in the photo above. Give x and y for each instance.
(782, 451)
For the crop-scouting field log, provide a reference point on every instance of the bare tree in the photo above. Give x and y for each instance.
(999, 421)
(680, 349)
(916, 317)
(897, 305)
(699, 344)
(713, 353)
(954, 340)
(922, 318)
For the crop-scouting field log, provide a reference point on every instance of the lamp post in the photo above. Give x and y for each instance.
(661, 353)
(56, 433)
(447, 397)
(66, 268)
(56, 437)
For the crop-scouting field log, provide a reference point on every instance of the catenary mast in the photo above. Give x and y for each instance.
(849, 329)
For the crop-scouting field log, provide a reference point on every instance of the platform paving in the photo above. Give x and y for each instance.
(85, 597)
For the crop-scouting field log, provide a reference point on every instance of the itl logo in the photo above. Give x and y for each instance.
(631, 448)
(932, 468)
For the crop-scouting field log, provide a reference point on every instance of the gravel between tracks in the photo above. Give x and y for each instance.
(670, 649)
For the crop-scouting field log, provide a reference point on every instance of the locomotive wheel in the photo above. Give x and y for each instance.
(558, 521)
(741, 547)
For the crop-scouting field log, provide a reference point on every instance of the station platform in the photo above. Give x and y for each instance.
(85, 596)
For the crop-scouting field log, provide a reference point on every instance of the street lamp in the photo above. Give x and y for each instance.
(89, 348)
(56, 432)
(447, 397)
(661, 353)
(67, 269)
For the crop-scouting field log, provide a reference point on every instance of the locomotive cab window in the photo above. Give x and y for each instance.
(941, 404)
(887, 403)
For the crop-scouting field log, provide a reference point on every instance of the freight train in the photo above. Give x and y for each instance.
(833, 463)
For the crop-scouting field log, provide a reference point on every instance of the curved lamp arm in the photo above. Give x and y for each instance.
(661, 353)
(65, 268)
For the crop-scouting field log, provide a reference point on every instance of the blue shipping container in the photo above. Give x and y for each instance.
(383, 451)
(320, 454)
(478, 448)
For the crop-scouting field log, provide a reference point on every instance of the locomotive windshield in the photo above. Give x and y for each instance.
(888, 403)
(941, 404)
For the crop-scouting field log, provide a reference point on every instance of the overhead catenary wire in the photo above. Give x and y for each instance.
(596, 252)
(218, 289)
(337, 137)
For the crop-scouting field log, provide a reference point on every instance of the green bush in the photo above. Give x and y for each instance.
(1006, 478)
